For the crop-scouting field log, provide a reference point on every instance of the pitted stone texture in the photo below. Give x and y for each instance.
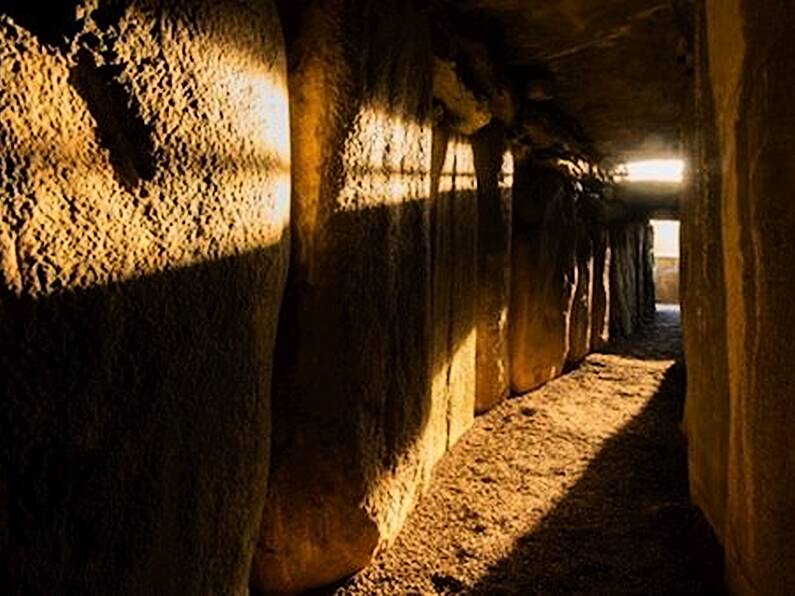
(143, 215)
(630, 271)
(752, 142)
(454, 252)
(544, 275)
(600, 316)
(494, 169)
(706, 421)
(353, 384)
(582, 304)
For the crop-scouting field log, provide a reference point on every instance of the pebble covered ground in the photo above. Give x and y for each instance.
(577, 488)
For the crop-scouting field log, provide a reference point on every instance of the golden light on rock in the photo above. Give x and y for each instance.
(388, 161)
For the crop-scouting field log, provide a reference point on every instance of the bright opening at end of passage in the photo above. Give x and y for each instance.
(653, 170)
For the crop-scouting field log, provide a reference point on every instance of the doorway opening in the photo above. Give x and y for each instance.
(666, 262)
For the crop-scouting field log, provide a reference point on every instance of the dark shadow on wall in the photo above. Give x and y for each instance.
(134, 430)
(353, 384)
(364, 323)
(627, 526)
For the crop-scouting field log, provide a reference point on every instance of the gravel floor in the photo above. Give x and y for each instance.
(580, 487)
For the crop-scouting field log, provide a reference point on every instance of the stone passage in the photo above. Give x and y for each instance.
(264, 262)
(578, 487)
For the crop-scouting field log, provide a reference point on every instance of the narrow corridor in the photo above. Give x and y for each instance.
(580, 487)
(333, 295)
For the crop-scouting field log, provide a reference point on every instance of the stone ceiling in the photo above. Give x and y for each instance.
(619, 67)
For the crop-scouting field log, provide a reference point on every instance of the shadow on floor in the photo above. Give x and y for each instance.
(657, 340)
(627, 526)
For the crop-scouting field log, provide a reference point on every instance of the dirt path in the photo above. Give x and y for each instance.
(580, 487)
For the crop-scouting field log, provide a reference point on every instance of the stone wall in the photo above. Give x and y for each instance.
(155, 186)
(602, 259)
(570, 278)
(704, 304)
(494, 168)
(454, 291)
(143, 232)
(740, 412)
(353, 389)
(582, 310)
(631, 277)
(544, 270)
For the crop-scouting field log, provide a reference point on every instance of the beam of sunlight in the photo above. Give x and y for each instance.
(653, 170)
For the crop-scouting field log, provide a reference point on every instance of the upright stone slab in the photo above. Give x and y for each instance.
(494, 168)
(626, 278)
(600, 317)
(543, 275)
(752, 91)
(648, 299)
(582, 304)
(703, 296)
(353, 394)
(143, 234)
(454, 253)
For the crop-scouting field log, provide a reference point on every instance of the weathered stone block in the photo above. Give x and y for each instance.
(143, 248)
(543, 276)
(600, 316)
(751, 140)
(352, 389)
(454, 251)
(582, 303)
(706, 419)
(627, 270)
(494, 168)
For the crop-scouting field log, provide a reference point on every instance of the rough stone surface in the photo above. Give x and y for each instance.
(600, 315)
(544, 269)
(704, 303)
(494, 170)
(750, 88)
(466, 111)
(143, 214)
(631, 277)
(353, 383)
(454, 253)
(647, 295)
(623, 280)
(582, 302)
(589, 474)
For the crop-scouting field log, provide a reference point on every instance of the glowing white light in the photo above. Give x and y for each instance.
(655, 170)
(666, 238)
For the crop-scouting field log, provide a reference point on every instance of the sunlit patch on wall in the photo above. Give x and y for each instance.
(387, 161)
(458, 172)
(220, 185)
(506, 174)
